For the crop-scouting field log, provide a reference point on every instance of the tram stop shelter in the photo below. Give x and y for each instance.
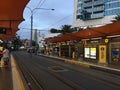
(11, 14)
(91, 44)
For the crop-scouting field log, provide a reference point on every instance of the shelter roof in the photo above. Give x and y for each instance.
(11, 14)
(103, 31)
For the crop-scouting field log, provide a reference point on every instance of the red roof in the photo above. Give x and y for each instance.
(11, 14)
(103, 31)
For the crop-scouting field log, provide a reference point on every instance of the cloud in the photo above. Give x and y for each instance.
(44, 19)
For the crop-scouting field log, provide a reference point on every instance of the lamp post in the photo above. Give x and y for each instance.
(32, 10)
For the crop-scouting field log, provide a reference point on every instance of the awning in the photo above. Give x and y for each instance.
(103, 31)
(11, 14)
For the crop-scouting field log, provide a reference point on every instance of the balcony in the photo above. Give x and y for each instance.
(87, 0)
(96, 3)
(85, 5)
(98, 15)
(85, 11)
(86, 17)
(89, 10)
(98, 9)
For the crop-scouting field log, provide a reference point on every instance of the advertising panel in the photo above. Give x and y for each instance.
(90, 53)
(87, 52)
(93, 53)
(115, 55)
(102, 54)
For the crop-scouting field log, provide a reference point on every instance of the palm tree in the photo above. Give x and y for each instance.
(66, 29)
(53, 30)
(116, 18)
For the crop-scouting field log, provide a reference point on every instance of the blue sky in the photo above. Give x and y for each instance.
(44, 20)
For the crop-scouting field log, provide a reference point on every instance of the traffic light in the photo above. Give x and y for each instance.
(2, 30)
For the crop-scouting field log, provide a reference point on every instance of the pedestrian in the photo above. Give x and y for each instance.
(1, 54)
(36, 49)
(5, 55)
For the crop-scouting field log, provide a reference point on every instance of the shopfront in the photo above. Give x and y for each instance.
(100, 51)
(95, 51)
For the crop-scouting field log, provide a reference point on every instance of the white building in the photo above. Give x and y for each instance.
(36, 36)
(94, 12)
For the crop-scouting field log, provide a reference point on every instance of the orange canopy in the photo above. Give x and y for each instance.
(11, 14)
(103, 31)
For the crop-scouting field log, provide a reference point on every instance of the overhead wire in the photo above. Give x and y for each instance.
(59, 21)
(41, 2)
(39, 5)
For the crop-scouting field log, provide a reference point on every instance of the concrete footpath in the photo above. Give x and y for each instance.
(5, 77)
(10, 76)
(106, 68)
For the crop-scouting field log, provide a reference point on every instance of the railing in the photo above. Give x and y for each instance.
(87, 0)
(100, 15)
(101, 8)
(87, 4)
(98, 2)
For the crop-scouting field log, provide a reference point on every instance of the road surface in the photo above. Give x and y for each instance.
(43, 73)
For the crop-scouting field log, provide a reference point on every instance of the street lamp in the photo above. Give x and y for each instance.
(32, 10)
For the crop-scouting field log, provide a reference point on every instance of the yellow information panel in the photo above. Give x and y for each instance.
(102, 54)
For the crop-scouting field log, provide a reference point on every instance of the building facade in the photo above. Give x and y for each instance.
(36, 35)
(94, 12)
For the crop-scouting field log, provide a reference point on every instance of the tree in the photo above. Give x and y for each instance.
(53, 30)
(16, 42)
(66, 29)
(116, 18)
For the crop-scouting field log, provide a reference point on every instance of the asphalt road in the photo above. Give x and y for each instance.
(43, 73)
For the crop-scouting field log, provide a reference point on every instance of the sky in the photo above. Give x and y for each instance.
(44, 20)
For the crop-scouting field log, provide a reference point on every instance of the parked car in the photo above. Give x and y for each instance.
(22, 47)
(31, 49)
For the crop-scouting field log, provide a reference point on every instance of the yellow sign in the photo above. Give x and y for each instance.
(102, 54)
(106, 40)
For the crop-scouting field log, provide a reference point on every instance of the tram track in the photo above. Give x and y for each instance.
(62, 79)
(26, 74)
(25, 71)
(42, 66)
(99, 77)
(76, 86)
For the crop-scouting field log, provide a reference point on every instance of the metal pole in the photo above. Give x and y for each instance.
(32, 24)
(31, 30)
